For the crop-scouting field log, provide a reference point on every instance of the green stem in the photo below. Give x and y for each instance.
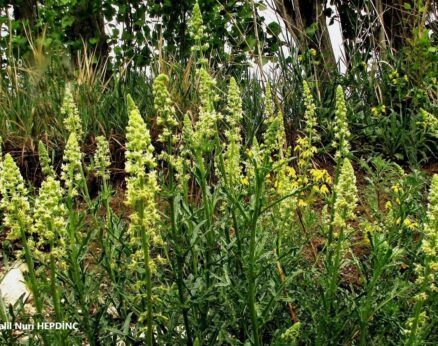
(146, 258)
(107, 252)
(179, 259)
(76, 272)
(55, 294)
(417, 310)
(31, 268)
(149, 335)
(208, 217)
(252, 274)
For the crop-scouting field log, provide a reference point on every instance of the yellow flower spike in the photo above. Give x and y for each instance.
(45, 162)
(233, 169)
(72, 122)
(142, 188)
(429, 244)
(197, 32)
(429, 122)
(205, 127)
(346, 196)
(142, 183)
(50, 222)
(274, 138)
(14, 202)
(305, 143)
(291, 171)
(71, 167)
(102, 157)
(342, 133)
(164, 107)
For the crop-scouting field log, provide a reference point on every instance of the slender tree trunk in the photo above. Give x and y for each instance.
(25, 10)
(398, 21)
(381, 38)
(299, 15)
(324, 41)
(26, 13)
(89, 24)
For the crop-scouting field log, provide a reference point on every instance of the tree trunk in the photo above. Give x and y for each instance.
(89, 24)
(25, 10)
(300, 15)
(398, 21)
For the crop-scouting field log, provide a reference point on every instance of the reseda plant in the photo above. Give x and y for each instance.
(213, 242)
(141, 193)
(426, 271)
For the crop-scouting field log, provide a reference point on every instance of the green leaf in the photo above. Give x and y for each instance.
(261, 6)
(311, 30)
(47, 42)
(274, 28)
(67, 21)
(407, 6)
(93, 40)
(251, 41)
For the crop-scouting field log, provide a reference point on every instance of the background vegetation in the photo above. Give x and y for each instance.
(115, 49)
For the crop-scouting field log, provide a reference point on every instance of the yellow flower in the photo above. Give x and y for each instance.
(302, 203)
(244, 181)
(409, 224)
(323, 189)
(342, 133)
(320, 175)
(388, 205)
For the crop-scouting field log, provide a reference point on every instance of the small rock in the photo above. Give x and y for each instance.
(13, 285)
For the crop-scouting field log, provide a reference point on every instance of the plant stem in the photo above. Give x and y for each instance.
(179, 259)
(31, 268)
(146, 258)
(252, 248)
